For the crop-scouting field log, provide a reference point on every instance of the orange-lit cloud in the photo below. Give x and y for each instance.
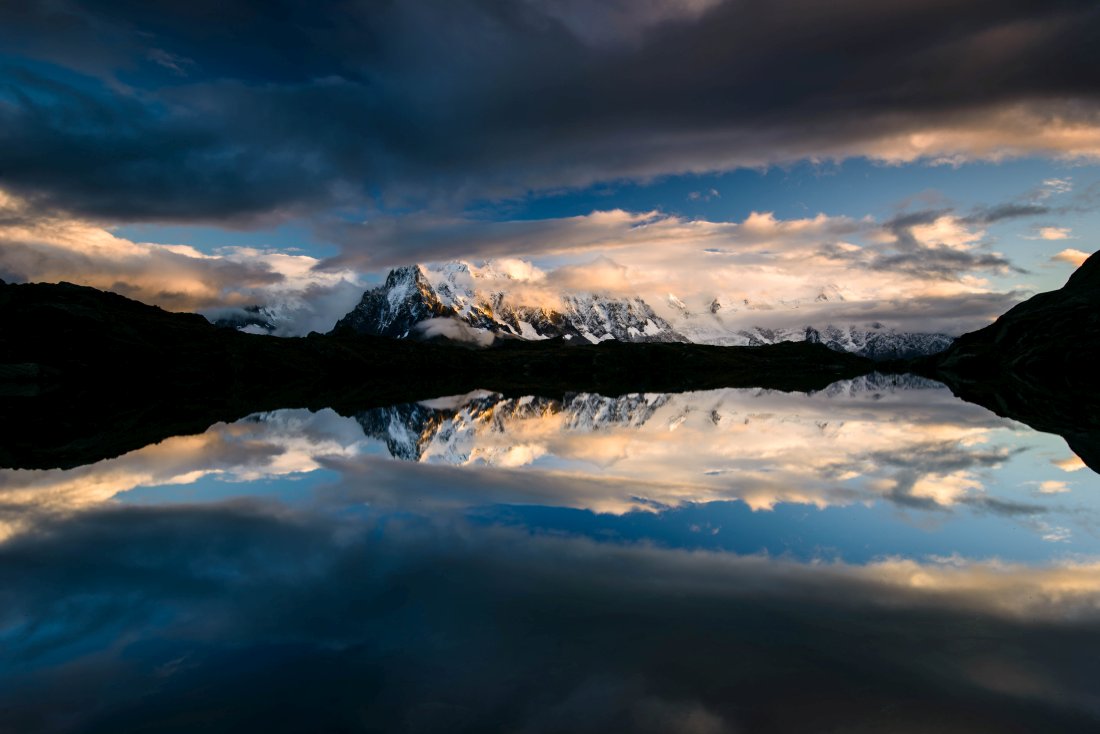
(1074, 257)
(47, 246)
(1054, 233)
(1069, 464)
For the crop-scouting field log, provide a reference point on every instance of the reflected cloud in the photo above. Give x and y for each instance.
(119, 615)
(262, 446)
(901, 440)
(1069, 464)
(857, 440)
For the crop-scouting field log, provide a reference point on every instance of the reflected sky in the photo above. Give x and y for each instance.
(889, 557)
(877, 466)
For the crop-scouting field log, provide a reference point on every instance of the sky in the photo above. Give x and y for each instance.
(934, 161)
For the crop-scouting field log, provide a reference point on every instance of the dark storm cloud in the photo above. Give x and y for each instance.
(244, 616)
(1001, 212)
(956, 314)
(229, 110)
(932, 258)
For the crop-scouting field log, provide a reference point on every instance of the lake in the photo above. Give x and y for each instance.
(878, 556)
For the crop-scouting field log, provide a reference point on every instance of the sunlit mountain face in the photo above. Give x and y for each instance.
(570, 562)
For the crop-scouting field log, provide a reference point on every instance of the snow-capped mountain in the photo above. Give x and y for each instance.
(878, 342)
(258, 319)
(415, 294)
(452, 430)
(720, 323)
(878, 383)
(488, 428)
(496, 301)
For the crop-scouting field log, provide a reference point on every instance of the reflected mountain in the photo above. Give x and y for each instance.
(86, 375)
(873, 556)
(434, 428)
(876, 441)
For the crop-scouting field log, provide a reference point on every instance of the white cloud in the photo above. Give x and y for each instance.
(37, 246)
(1071, 463)
(1053, 186)
(878, 267)
(276, 444)
(1054, 533)
(450, 328)
(765, 260)
(707, 195)
(1074, 257)
(1051, 233)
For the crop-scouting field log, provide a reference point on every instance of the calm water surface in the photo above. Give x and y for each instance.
(876, 557)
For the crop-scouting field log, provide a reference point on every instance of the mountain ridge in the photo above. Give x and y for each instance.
(414, 299)
(415, 294)
(87, 374)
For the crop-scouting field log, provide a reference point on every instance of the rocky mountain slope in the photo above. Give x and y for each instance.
(415, 294)
(480, 299)
(1052, 335)
(484, 427)
(1037, 363)
(449, 430)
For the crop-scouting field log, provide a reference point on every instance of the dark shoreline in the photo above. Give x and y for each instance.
(87, 375)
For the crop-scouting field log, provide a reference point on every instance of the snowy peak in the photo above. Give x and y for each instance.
(829, 293)
(396, 307)
(494, 299)
(413, 294)
(877, 342)
(599, 318)
(455, 430)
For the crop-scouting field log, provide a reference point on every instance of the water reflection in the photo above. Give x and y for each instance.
(875, 557)
(899, 453)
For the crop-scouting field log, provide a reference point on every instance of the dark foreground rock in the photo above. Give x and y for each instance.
(1038, 363)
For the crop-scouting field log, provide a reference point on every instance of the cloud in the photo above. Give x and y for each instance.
(1075, 258)
(708, 195)
(451, 328)
(425, 237)
(443, 102)
(934, 259)
(289, 618)
(1055, 186)
(937, 244)
(1053, 233)
(176, 64)
(1001, 212)
(40, 245)
(261, 447)
(855, 443)
(1071, 463)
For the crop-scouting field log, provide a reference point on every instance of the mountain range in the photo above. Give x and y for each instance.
(460, 301)
(87, 374)
(486, 427)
